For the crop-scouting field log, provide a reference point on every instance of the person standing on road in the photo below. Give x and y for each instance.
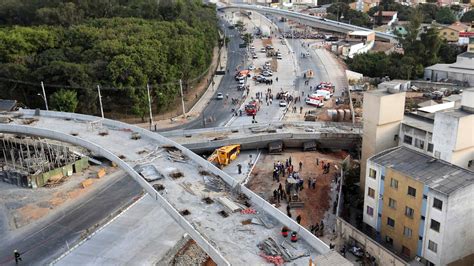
(239, 167)
(17, 256)
(301, 165)
(298, 219)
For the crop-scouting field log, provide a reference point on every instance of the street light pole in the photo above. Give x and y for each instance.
(100, 102)
(149, 106)
(182, 97)
(44, 96)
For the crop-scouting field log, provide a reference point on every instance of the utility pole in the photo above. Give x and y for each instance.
(44, 96)
(182, 97)
(100, 102)
(149, 106)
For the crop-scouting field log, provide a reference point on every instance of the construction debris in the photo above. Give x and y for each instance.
(135, 136)
(208, 200)
(176, 155)
(176, 174)
(148, 172)
(228, 204)
(158, 187)
(248, 211)
(214, 184)
(185, 212)
(272, 249)
(103, 132)
(187, 186)
(224, 214)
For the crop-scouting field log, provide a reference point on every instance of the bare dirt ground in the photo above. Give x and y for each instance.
(22, 206)
(317, 202)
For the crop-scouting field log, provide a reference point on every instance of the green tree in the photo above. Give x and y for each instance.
(445, 16)
(248, 38)
(468, 16)
(64, 100)
(428, 11)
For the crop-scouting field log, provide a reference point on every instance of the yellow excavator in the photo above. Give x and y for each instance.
(224, 155)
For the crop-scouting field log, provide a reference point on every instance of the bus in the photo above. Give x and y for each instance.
(224, 155)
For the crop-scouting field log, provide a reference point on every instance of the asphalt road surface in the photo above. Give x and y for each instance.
(216, 109)
(42, 243)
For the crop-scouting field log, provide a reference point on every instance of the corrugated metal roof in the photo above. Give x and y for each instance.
(436, 174)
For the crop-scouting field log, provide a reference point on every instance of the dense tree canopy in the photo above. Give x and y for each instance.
(420, 50)
(445, 16)
(468, 16)
(118, 44)
(348, 15)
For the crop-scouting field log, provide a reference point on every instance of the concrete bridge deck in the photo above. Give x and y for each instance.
(314, 21)
(256, 136)
(186, 178)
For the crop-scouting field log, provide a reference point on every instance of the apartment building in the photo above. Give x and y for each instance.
(445, 131)
(421, 206)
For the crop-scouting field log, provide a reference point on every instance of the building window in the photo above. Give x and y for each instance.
(411, 191)
(432, 246)
(435, 225)
(444, 33)
(405, 251)
(392, 203)
(390, 222)
(430, 147)
(370, 211)
(382, 177)
(420, 144)
(393, 183)
(371, 192)
(372, 173)
(422, 218)
(438, 204)
(409, 212)
(407, 232)
(407, 139)
(389, 240)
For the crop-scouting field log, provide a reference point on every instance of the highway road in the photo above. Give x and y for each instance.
(216, 109)
(41, 243)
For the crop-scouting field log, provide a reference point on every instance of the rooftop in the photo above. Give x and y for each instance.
(452, 68)
(434, 173)
(388, 13)
(419, 122)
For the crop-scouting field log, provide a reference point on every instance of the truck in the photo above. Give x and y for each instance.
(326, 94)
(252, 107)
(224, 155)
(315, 101)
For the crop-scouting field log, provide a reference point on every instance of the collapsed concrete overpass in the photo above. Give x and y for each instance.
(313, 21)
(182, 182)
(306, 135)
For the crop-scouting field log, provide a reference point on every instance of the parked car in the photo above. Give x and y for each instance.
(241, 81)
(254, 56)
(267, 74)
(263, 50)
(220, 96)
(251, 67)
(282, 103)
(279, 57)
